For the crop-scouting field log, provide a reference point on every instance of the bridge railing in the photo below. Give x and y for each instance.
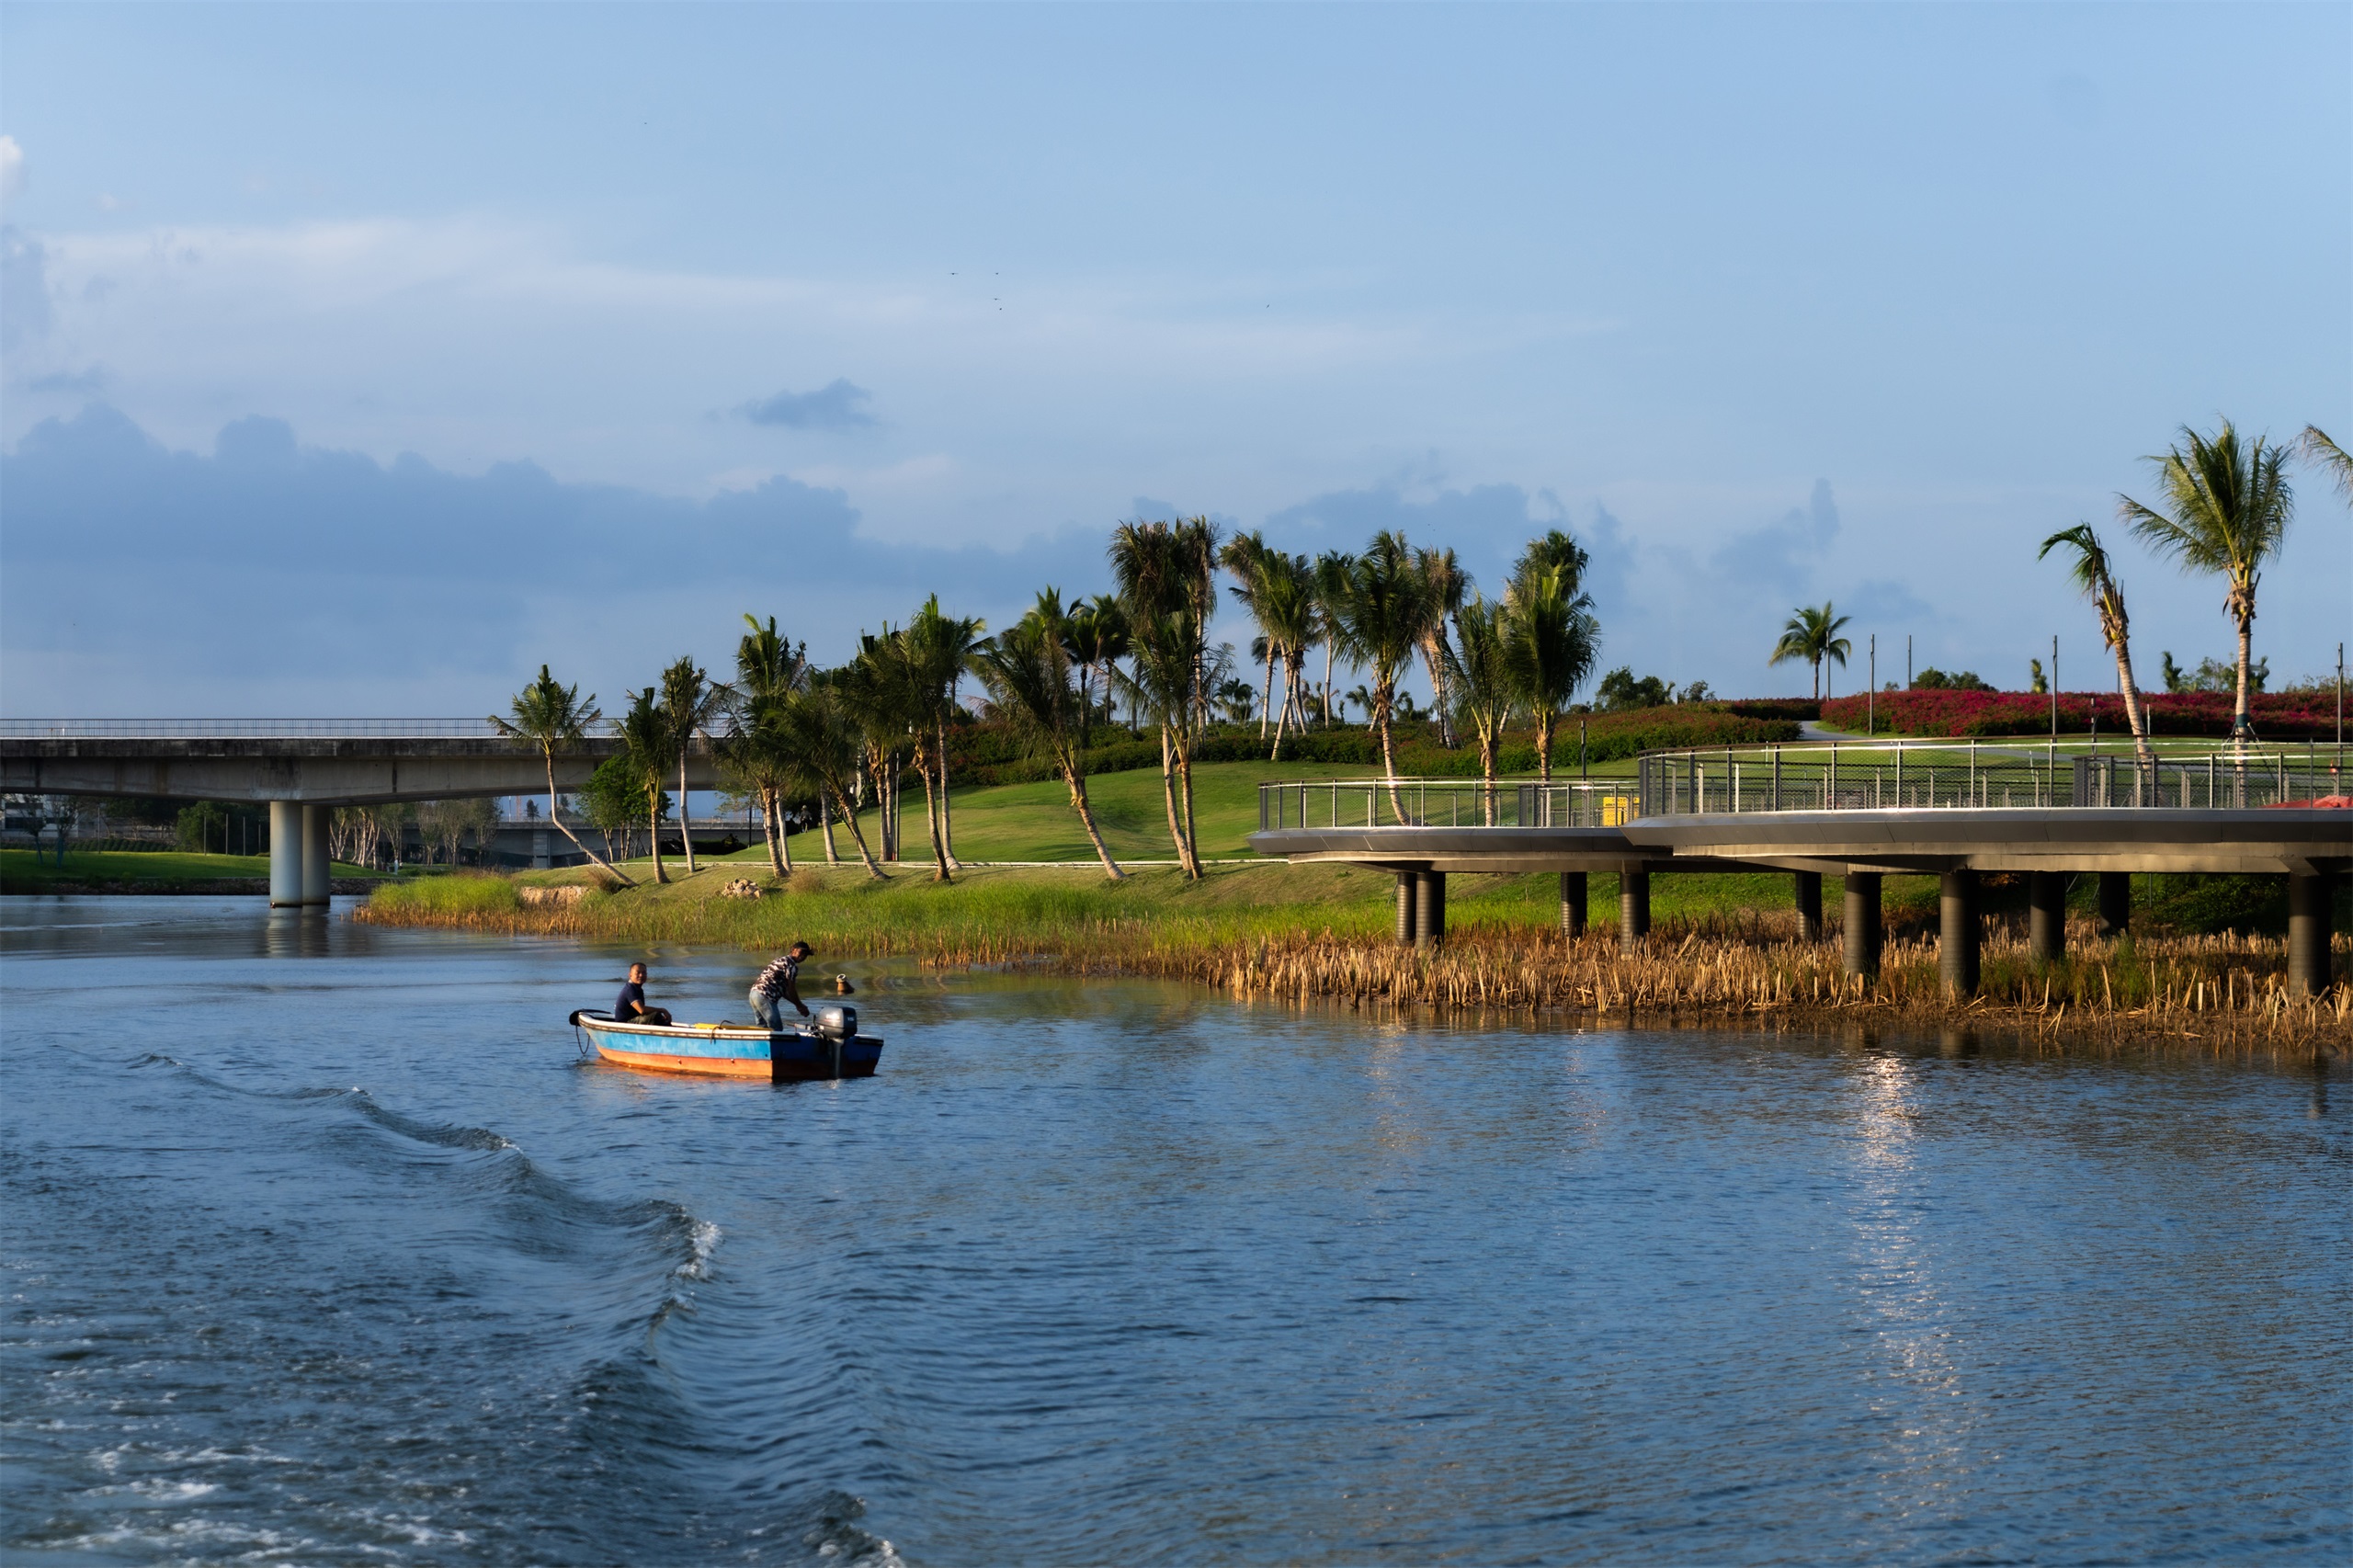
(246, 729)
(1882, 775)
(1443, 803)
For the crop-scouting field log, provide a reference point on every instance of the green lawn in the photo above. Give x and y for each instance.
(19, 873)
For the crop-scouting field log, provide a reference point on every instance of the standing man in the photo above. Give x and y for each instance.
(780, 982)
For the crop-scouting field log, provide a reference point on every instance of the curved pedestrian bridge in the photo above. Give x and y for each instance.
(1861, 812)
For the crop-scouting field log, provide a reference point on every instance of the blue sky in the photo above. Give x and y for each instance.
(358, 359)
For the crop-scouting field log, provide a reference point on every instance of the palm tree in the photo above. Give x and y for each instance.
(1286, 608)
(1549, 640)
(691, 699)
(938, 647)
(650, 742)
(1094, 635)
(2231, 506)
(1811, 635)
(1443, 584)
(768, 668)
(1166, 577)
(1378, 614)
(554, 718)
(1246, 556)
(1332, 569)
(878, 687)
(1027, 674)
(2329, 457)
(1480, 678)
(2094, 578)
(816, 729)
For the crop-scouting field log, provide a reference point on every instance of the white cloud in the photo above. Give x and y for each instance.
(12, 167)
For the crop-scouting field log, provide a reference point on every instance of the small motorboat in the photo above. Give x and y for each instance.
(827, 1046)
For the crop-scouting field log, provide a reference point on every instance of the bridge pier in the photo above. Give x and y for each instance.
(2046, 921)
(1957, 933)
(286, 854)
(2115, 903)
(1406, 900)
(1861, 933)
(315, 862)
(1633, 908)
(1429, 909)
(1572, 903)
(2312, 899)
(1809, 897)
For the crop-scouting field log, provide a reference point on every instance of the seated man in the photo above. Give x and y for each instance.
(630, 1008)
(780, 982)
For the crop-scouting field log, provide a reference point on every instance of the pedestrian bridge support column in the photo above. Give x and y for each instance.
(2311, 900)
(1861, 925)
(1633, 908)
(2115, 903)
(315, 865)
(2046, 925)
(1572, 903)
(1809, 895)
(285, 854)
(1429, 909)
(1958, 933)
(1405, 908)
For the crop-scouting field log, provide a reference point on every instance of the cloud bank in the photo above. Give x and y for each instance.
(834, 406)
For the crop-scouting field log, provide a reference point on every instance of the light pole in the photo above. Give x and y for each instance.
(1907, 661)
(2054, 686)
(1871, 707)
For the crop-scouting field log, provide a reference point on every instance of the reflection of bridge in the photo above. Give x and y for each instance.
(301, 767)
(1861, 811)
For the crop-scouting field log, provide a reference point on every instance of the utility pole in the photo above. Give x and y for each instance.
(1870, 708)
(1907, 661)
(2054, 686)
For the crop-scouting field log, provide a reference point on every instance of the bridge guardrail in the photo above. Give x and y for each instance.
(1887, 775)
(1444, 803)
(246, 729)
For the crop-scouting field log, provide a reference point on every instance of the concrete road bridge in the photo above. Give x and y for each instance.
(303, 768)
(1860, 811)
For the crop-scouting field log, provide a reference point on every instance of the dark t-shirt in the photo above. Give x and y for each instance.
(630, 992)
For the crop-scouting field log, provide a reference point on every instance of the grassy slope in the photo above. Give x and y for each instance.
(18, 873)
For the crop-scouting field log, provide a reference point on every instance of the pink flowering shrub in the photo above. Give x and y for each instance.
(2282, 716)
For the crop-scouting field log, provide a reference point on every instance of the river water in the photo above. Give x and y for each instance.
(320, 1247)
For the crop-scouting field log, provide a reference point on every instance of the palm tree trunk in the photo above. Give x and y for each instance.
(779, 853)
(654, 812)
(604, 865)
(1267, 700)
(1168, 795)
(825, 817)
(931, 814)
(1077, 782)
(1327, 683)
(858, 836)
(1282, 720)
(1487, 772)
(1192, 845)
(947, 806)
(1545, 719)
(2242, 722)
(686, 814)
(1388, 758)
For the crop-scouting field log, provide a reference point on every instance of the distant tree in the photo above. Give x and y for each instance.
(1167, 573)
(1620, 692)
(552, 717)
(1811, 635)
(1931, 678)
(1481, 679)
(2228, 508)
(816, 727)
(938, 647)
(768, 669)
(650, 745)
(1444, 582)
(1550, 638)
(1379, 611)
(1029, 675)
(1696, 692)
(1094, 635)
(692, 701)
(2091, 571)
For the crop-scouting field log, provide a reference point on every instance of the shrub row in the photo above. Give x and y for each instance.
(2280, 716)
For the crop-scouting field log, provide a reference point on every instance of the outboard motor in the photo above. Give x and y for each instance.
(837, 1024)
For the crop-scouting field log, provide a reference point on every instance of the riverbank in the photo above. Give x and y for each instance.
(1721, 946)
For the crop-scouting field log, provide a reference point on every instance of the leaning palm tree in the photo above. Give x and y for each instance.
(691, 699)
(2329, 457)
(815, 727)
(1027, 674)
(1168, 588)
(1813, 636)
(650, 743)
(1550, 640)
(1378, 613)
(1479, 675)
(1443, 584)
(554, 718)
(2230, 510)
(2095, 579)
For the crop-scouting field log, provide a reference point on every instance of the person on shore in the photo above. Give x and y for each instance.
(780, 983)
(629, 1006)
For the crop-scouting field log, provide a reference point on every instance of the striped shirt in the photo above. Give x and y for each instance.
(782, 971)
